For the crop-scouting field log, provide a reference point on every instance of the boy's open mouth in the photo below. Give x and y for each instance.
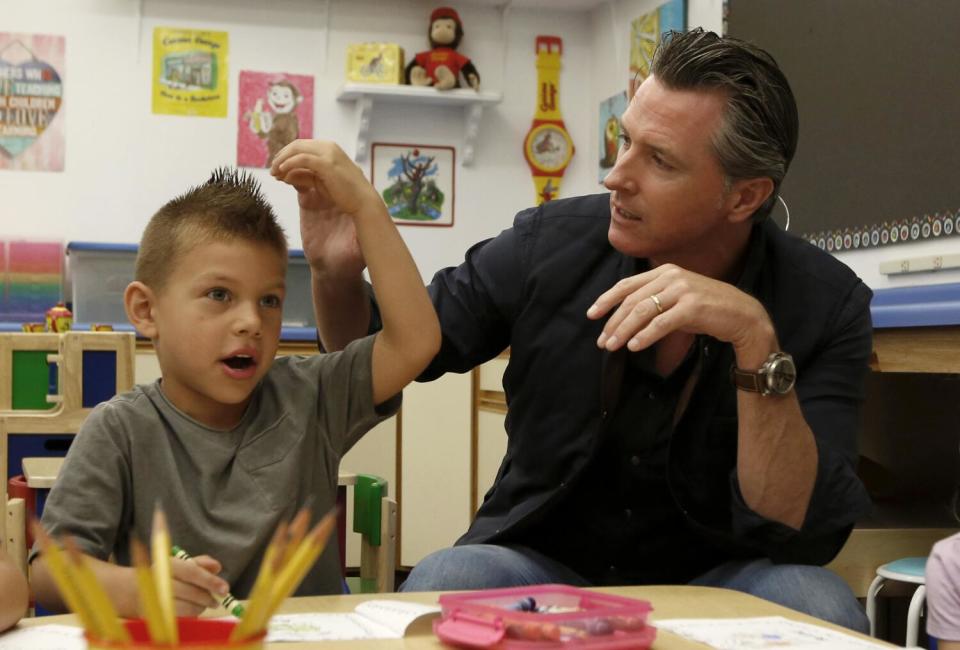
(239, 362)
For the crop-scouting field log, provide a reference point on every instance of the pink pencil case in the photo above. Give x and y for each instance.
(544, 616)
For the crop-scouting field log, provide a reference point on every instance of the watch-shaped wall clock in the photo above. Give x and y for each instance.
(548, 147)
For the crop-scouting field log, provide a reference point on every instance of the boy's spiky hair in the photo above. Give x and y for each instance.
(229, 206)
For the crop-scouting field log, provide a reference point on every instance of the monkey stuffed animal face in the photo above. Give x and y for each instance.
(442, 66)
(443, 31)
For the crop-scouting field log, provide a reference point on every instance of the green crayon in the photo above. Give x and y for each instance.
(229, 603)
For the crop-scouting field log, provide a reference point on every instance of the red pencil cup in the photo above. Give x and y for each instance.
(195, 634)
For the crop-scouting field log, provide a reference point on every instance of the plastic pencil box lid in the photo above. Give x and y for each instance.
(543, 616)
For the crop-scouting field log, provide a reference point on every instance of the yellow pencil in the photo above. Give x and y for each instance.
(295, 533)
(261, 586)
(149, 603)
(93, 592)
(162, 576)
(63, 577)
(301, 561)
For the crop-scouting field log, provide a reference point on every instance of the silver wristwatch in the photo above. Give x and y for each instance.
(776, 376)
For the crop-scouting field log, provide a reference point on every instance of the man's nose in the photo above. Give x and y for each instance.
(619, 179)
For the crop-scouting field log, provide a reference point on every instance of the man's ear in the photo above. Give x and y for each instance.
(746, 196)
(139, 302)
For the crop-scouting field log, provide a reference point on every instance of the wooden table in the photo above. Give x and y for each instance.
(667, 601)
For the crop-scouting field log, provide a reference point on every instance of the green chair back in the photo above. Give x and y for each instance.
(368, 493)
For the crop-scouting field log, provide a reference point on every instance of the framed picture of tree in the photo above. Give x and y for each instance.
(415, 181)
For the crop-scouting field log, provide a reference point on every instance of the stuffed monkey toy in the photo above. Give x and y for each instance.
(442, 65)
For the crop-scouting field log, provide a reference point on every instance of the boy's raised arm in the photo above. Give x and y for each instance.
(332, 188)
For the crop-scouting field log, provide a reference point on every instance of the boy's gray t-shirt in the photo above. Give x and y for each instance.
(223, 492)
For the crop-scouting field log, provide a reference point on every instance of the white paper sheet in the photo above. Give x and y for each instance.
(373, 619)
(44, 637)
(764, 632)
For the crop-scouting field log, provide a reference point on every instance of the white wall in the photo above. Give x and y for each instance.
(123, 162)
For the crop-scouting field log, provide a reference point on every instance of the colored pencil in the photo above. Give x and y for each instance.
(287, 560)
(162, 576)
(257, 602)
(62, 575)
(104, 613)
(303, 558)
(147, 589)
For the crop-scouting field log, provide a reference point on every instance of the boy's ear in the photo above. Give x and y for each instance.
(139, 301)
(746, 196)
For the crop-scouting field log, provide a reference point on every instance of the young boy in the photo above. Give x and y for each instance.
(230, 441)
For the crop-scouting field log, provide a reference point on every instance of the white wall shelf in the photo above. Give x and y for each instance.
(365, 95)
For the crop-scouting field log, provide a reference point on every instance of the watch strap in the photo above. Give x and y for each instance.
(746, 380)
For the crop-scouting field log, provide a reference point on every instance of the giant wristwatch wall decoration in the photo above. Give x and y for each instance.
(548, 147)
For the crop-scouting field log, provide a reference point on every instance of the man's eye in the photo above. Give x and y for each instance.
(220, 295)
(624, 141)
(271, 301)
(660, 162)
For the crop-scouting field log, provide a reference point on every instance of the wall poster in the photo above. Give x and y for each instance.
(31, 102)
(416, 182)
(274, 110)
(190, 72)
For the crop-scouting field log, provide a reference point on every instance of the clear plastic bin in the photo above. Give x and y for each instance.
(97, 275)
(544, 616)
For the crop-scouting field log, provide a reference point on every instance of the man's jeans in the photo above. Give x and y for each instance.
(810, 589)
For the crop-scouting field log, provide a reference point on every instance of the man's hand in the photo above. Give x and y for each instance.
(195, 582)
(326, 219)
(671, 299)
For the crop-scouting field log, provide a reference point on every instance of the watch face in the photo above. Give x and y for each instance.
(781, 375)
(548, 147)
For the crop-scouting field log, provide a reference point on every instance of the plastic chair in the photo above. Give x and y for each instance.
(375, 518)
(910, 570)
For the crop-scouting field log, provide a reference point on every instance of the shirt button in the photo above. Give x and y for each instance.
(706, 350)
(635, 460)
(628, 513)
(613, 569)
(603, 414)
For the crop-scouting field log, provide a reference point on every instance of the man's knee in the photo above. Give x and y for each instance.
(475, 566)
(812, 590)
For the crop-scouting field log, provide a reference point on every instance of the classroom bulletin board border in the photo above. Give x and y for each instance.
(938, 225)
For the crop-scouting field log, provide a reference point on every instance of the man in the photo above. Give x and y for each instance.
(655, 431)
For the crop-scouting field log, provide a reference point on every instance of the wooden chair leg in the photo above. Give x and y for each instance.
(16, 533)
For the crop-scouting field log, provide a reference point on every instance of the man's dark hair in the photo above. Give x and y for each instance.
(758, 134)
(227, 207)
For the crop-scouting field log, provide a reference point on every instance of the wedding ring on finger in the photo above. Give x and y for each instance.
(656, 302)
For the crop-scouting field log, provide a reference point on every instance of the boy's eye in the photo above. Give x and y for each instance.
(271, 301)
(220, 295)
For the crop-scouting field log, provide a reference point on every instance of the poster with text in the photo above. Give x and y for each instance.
(190, 72)
(31, 102)
(645, 34)
(611, 109)
(274, 110)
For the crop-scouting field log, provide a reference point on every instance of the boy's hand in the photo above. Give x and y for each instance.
(195, 582)
(331, 191)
